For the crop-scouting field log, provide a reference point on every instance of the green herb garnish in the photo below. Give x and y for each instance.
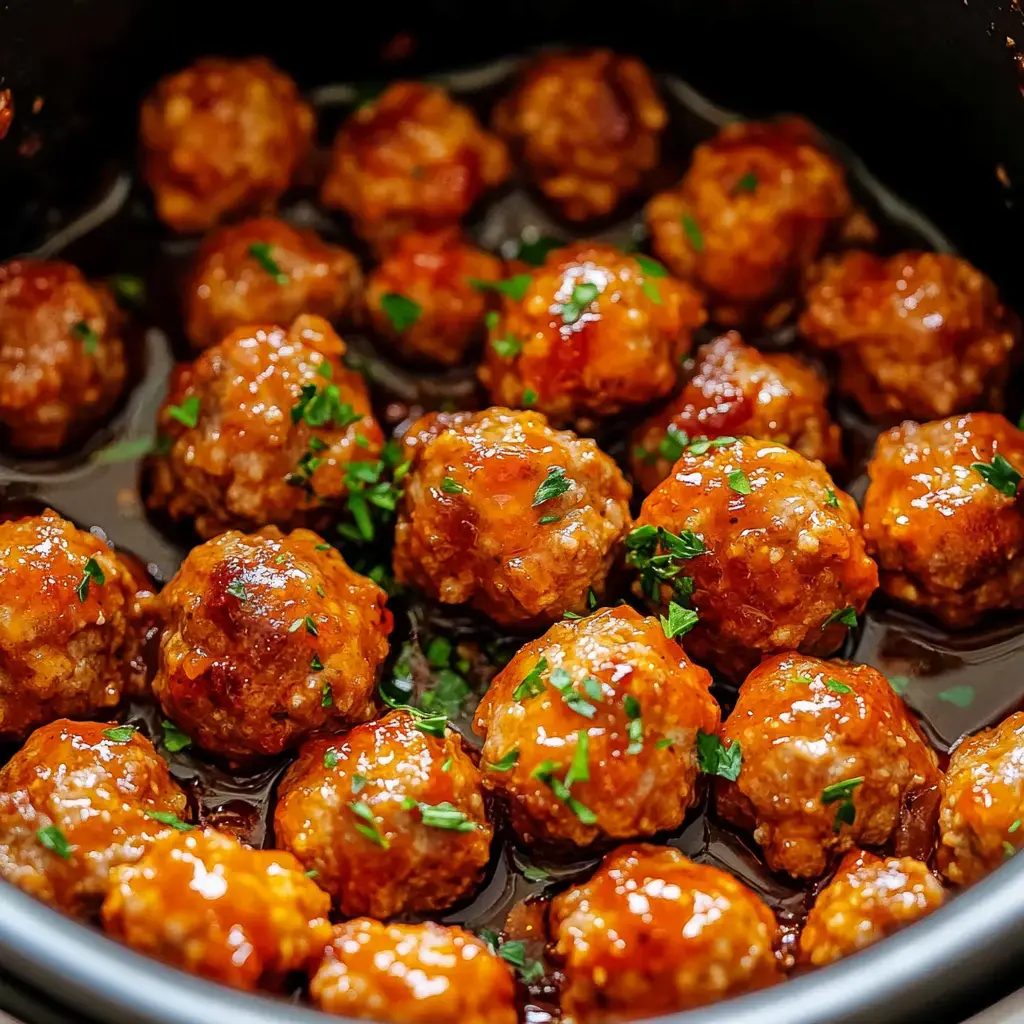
(261, 253)
(999, 474)
(514, 287)
(402, 311)
(847, 616)
(187, 413)
(450, 486)
(694, 234)
(532, 684)
(738, 482)
(842, 793)
(367, 825)
(554, 484)
(87, 336)
(171, 820)
(120, 733)
(174, 738)
(714, 758)
(582, 296)
(55, 841)
(91, 573)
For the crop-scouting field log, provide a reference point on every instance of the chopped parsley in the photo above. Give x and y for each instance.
(120, 733)
(738, 482)
(579, 767)
(635, 729)
(663, 743)
(535, 874)
(841, 793)
(367, 824)
(714, 758)
(187, 413)
(746, 183)
(450, 486)
(91, 573)
(307, 621)
(831, 500)
(536, 252)
(529, 397)
(439, 652)
(846, 616)
(837, 687)
(87, 336)
(236, 588)
(958, 696)
(583, 295)
(402, 311)
(545, 772)
(129, 290)
(447, 766)
(673, 444)
(702, 445)
(694, 235)
(1008, 849)
(321, 406)
(562, 682)
(326, 695)
(174, 738)
(679, 622)
(999, 474)
(508, 347)
(514, 953)
(315, 664)
(445, 816)
(544, 520)
(507, 763)
(899, 684)
(554, 484)
(261, 253)
(513, 287)
(643, 545)
(532, 684)
(358, 782)
(370, 495)
(125, 451)
(171, 820)
(55, 841)
(331, 761)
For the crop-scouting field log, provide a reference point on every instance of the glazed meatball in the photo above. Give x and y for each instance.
(918, 334)
(652, 932)
(265, 271)
(750, 215)
(941, 516)
(591, 730)
(983, 802)
(505, 514)
(588, 127)
(426, 296)
(411, 159)
(72, 624)
(203, 902)
(761, 543)
(415, 973)
(737, 390)
(265, 428)
(268, 637)
(868, 899)
(593, 332)
(76, 801)
(62, 361)
(220, 138)
(391, 819)
(828, 755)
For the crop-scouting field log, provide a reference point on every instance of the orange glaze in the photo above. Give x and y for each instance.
(236, 672)
(804, 725)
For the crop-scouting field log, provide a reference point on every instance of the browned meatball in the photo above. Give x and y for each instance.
(918, 334)
(983, 802)
(501, 512)
(737, 390)
(269, 426)
(750, 215)
(268, 637)
(391, 819)
(412, 158)
(203, 902)
(591, 730)
(652, 932)
(72, 626)
(828, 755)
(425, 296)
(222, 137)
(62, 361)
(591, 333)
(941, 516)
(415, 973)
(264, 271)
(762, 544)
(78, 799)
(588, 127)
(868, 899)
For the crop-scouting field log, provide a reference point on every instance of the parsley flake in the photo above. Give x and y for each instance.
(129, 291)
(679, 622)
(508, 347)
(659, 556)
(331, 761)
(535, 874)
(513, 287)
(746, 183)
(91, 573)
(899, 684)
(583, 295)
(529, 397)
(536, 252)
(635, 729)
(532, 684)
(830, 498)
(326, 695)
(846, 616)
(702, 445)
(673, 444)
(125, 451)
(174, 738)
(544, 520)
(714, 758)
(402, 311)
(120, 733)
(450, 486)
(694, 235)
(55, 841)
(447, 766)
(562, 682)
(545, 772)
(999, 474)
(554, 484)
(738, 482)
(236, 588)
(369, 829)
(507, 763)
(261, 253)
(187, 413)
(445, 816)
(579, 767)
(837, 687)
(171, 820)
(841, 793)
(87, 336)
(315, 664)
(958, 696)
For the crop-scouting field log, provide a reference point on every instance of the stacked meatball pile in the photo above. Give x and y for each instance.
(746, 564)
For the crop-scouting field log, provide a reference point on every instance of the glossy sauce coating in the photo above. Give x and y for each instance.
(222, 137)
(652, 932)
(245, 448)
(203, 902)
(415, 973)
(781, 564)
(734, 390)
(805, 727)
(586, 125)
(268, 637)
(62, 361)
(72, 780)
(479, 539)
(750, 215)
(946, 540)
(579, 360)
(66, 649)
(596, 676)
(918, 334)
(264, 271)
(405, 863)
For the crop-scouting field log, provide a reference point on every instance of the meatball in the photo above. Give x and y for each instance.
(587, 126)
(268, 427)
(203, 902)
(220, 138)
(265, 271)
(941, 516)
(828, 754)
(983, 802)
(426, 296)
(416, 973)
(750, 215)
(737, 390)
(868, 899)
(268, 637)
(72, 624)
(761, 543)
(591, 730)
(592, 332)
(501, 512)
(389, 785)
(917, 334)
(411, 159)
(62, 361)
(652, 932)
(78, 799)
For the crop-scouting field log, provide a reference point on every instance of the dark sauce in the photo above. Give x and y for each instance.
(956, 683)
